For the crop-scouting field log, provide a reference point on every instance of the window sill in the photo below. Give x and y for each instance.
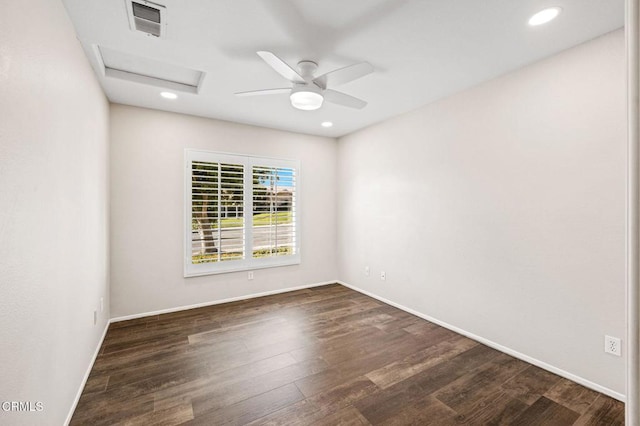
(255, 265)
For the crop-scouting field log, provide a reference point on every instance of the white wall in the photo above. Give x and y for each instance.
(53, 210)
(147, 205)
(501, 210)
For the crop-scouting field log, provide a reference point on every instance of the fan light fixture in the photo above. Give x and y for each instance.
(545, 16)
(306, 98)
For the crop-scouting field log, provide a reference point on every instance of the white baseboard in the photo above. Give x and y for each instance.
(218, 302)
(580, 380)
(86, 375)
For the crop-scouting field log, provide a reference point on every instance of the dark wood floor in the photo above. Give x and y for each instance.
(324, 356)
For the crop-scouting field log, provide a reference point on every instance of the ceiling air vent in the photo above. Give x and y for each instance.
(146, 17)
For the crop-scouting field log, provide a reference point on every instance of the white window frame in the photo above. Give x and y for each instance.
(249, 262)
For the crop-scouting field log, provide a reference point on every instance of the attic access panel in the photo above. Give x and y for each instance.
(138, 69)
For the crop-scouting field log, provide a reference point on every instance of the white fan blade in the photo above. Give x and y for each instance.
(281, 67)
(264, 92)
(344, 75)
(343, 99)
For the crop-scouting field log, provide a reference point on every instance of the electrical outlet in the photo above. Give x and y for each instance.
(250, 276)
(383, 275)
(367, 271)
(95, 317)
(612, 345)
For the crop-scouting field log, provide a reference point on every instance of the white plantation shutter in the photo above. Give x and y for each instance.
(240, 213)
(217, 189)
(274, 208)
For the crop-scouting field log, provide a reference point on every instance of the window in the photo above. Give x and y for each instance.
(241, 213)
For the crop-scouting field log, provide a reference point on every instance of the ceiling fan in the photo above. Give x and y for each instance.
(309, 92)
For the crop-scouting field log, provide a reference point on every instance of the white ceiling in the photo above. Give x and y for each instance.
(422, 50)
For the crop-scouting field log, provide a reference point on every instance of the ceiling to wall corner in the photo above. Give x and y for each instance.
(422, 50)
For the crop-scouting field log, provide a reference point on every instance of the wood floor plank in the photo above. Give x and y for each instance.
(545, 412)
(133, 322)
(250, 409)
(530, 384)
(96, 383)
(347, 416)
(151, 335)
(171, 416)
(337, 349)
(239, 331)
(419, 361)
(422, 410)
(215, 397)
(441, 375)
(103, 409)
(359, 362)
(498, 408)
(572, 395)
(384, 348)
(301, 413)
(116, 361)
(344, 395)
(603, 411)
(480, 384)
(152, 343)
(417, 388)
(237, 377)
(397, 323)
(321, 356)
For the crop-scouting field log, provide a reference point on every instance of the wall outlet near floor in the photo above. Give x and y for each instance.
(383, 275)
(612, 345)
(95, 317)
(250, 276)
(367, 271)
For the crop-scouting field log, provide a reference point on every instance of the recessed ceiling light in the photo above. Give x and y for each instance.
(326, 124)
(545, 16)
(168, 95)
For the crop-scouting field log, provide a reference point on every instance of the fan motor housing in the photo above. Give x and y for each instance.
(307, 69)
